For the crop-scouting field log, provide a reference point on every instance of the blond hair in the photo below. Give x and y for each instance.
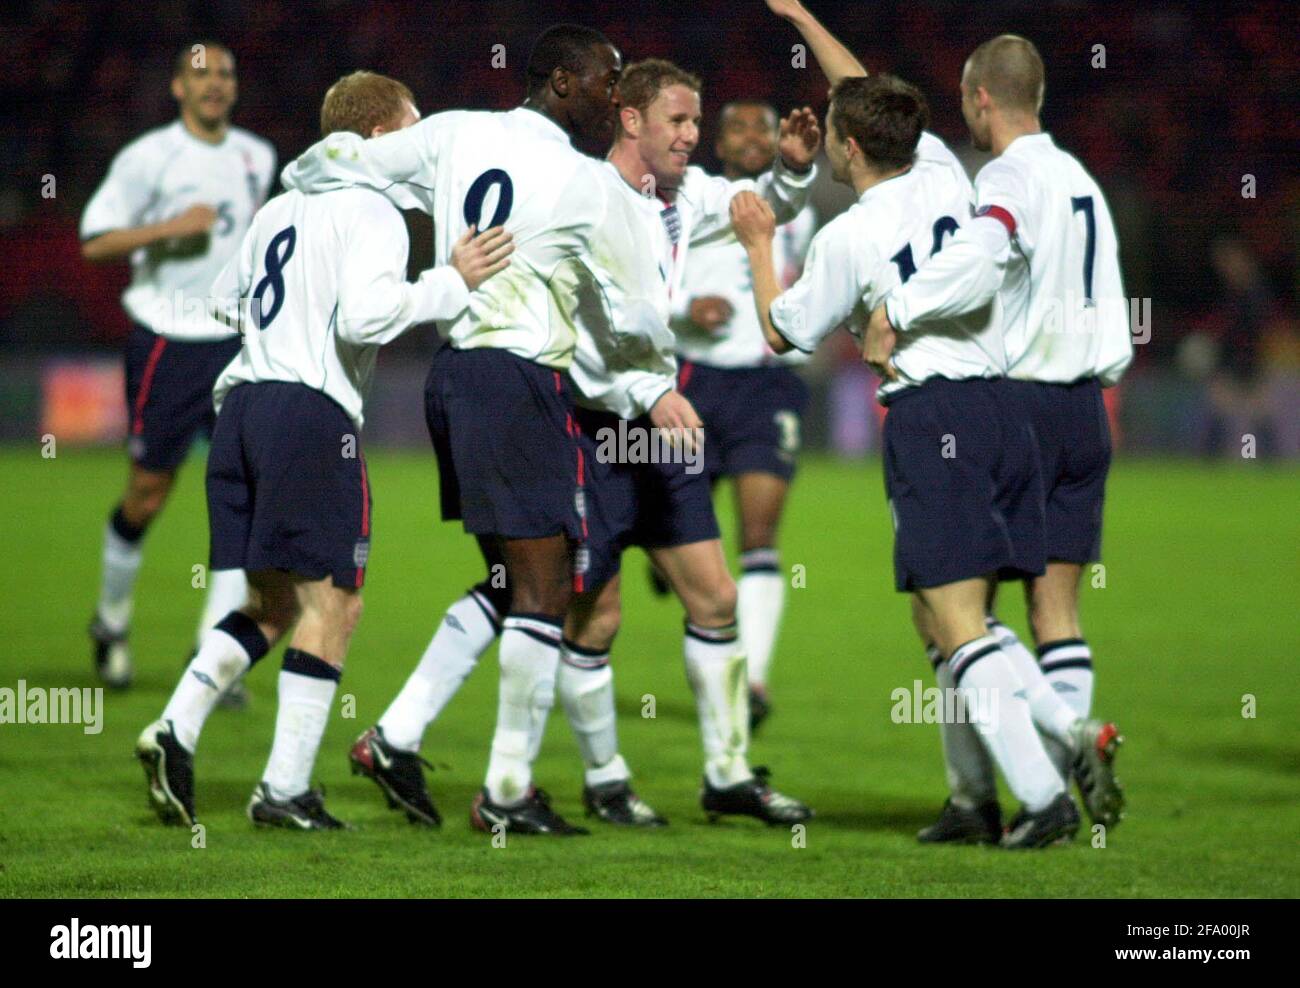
(1010, 69)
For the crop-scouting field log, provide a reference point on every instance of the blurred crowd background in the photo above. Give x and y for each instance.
(1188, 114)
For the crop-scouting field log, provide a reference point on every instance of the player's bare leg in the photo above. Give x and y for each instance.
(166, 747)
(993, 698)
(1065, 663)
(539, 572)
(146, 493)
(715, 668)
(760, 499)
(585, 684)
(309, 677)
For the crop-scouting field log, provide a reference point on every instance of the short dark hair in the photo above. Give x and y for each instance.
(561, 46)
(186, 55)
(884, 114)
(762, 104)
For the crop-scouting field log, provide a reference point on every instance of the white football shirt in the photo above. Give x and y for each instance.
(628, 382)
(1045, 243)
(575, 242)
(320, 284)
(158, 176)
(721, 269)
(877, 245)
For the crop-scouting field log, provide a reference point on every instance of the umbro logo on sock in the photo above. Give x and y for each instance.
(452, 621)
(203, 678)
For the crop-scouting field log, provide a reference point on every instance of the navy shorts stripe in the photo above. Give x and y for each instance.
(169, 394)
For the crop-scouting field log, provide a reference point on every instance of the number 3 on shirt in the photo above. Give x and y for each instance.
(477, 193)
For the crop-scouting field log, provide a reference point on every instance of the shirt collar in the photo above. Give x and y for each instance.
(1043, 137)
(540, 124)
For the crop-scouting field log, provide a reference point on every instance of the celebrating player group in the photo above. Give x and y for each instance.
(590, 282)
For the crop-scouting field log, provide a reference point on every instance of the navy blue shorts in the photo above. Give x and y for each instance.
(169, 394)
(502, 428)
(652, 505)
(287, 485)
(1074, 450)
(963, 482)
(751, 417)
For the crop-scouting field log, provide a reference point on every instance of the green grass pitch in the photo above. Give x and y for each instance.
(1199, 609)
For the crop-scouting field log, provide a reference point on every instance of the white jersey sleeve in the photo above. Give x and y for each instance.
(962, 278)
(376, 302)
(837, 275)
(125, 194)
(623, 362)
(400, 164)
(709, 197)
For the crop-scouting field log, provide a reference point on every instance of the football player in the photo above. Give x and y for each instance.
(176, 201)
(752, 399)
(666, 507)
(661, 506)
(498, 398)
(961, 471)
(323, 280)
(1042, 243)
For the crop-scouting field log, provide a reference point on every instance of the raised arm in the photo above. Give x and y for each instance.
(786, 185)
(836, 61)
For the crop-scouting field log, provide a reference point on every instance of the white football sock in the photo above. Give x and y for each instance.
(760, 602)
(306, 691)
(994, 702)
(715, 668)
(1067, 666)
(225, 654)
(121, 566)
(1051, 714)
(227, 591)
(530, 652)
(585, 684)
(971, 781)
(466, 632)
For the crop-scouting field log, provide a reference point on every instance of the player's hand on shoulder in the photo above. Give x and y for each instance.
(752, 219)
(801, 136)
(193, 222)
(710, 312)
(478, 256)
